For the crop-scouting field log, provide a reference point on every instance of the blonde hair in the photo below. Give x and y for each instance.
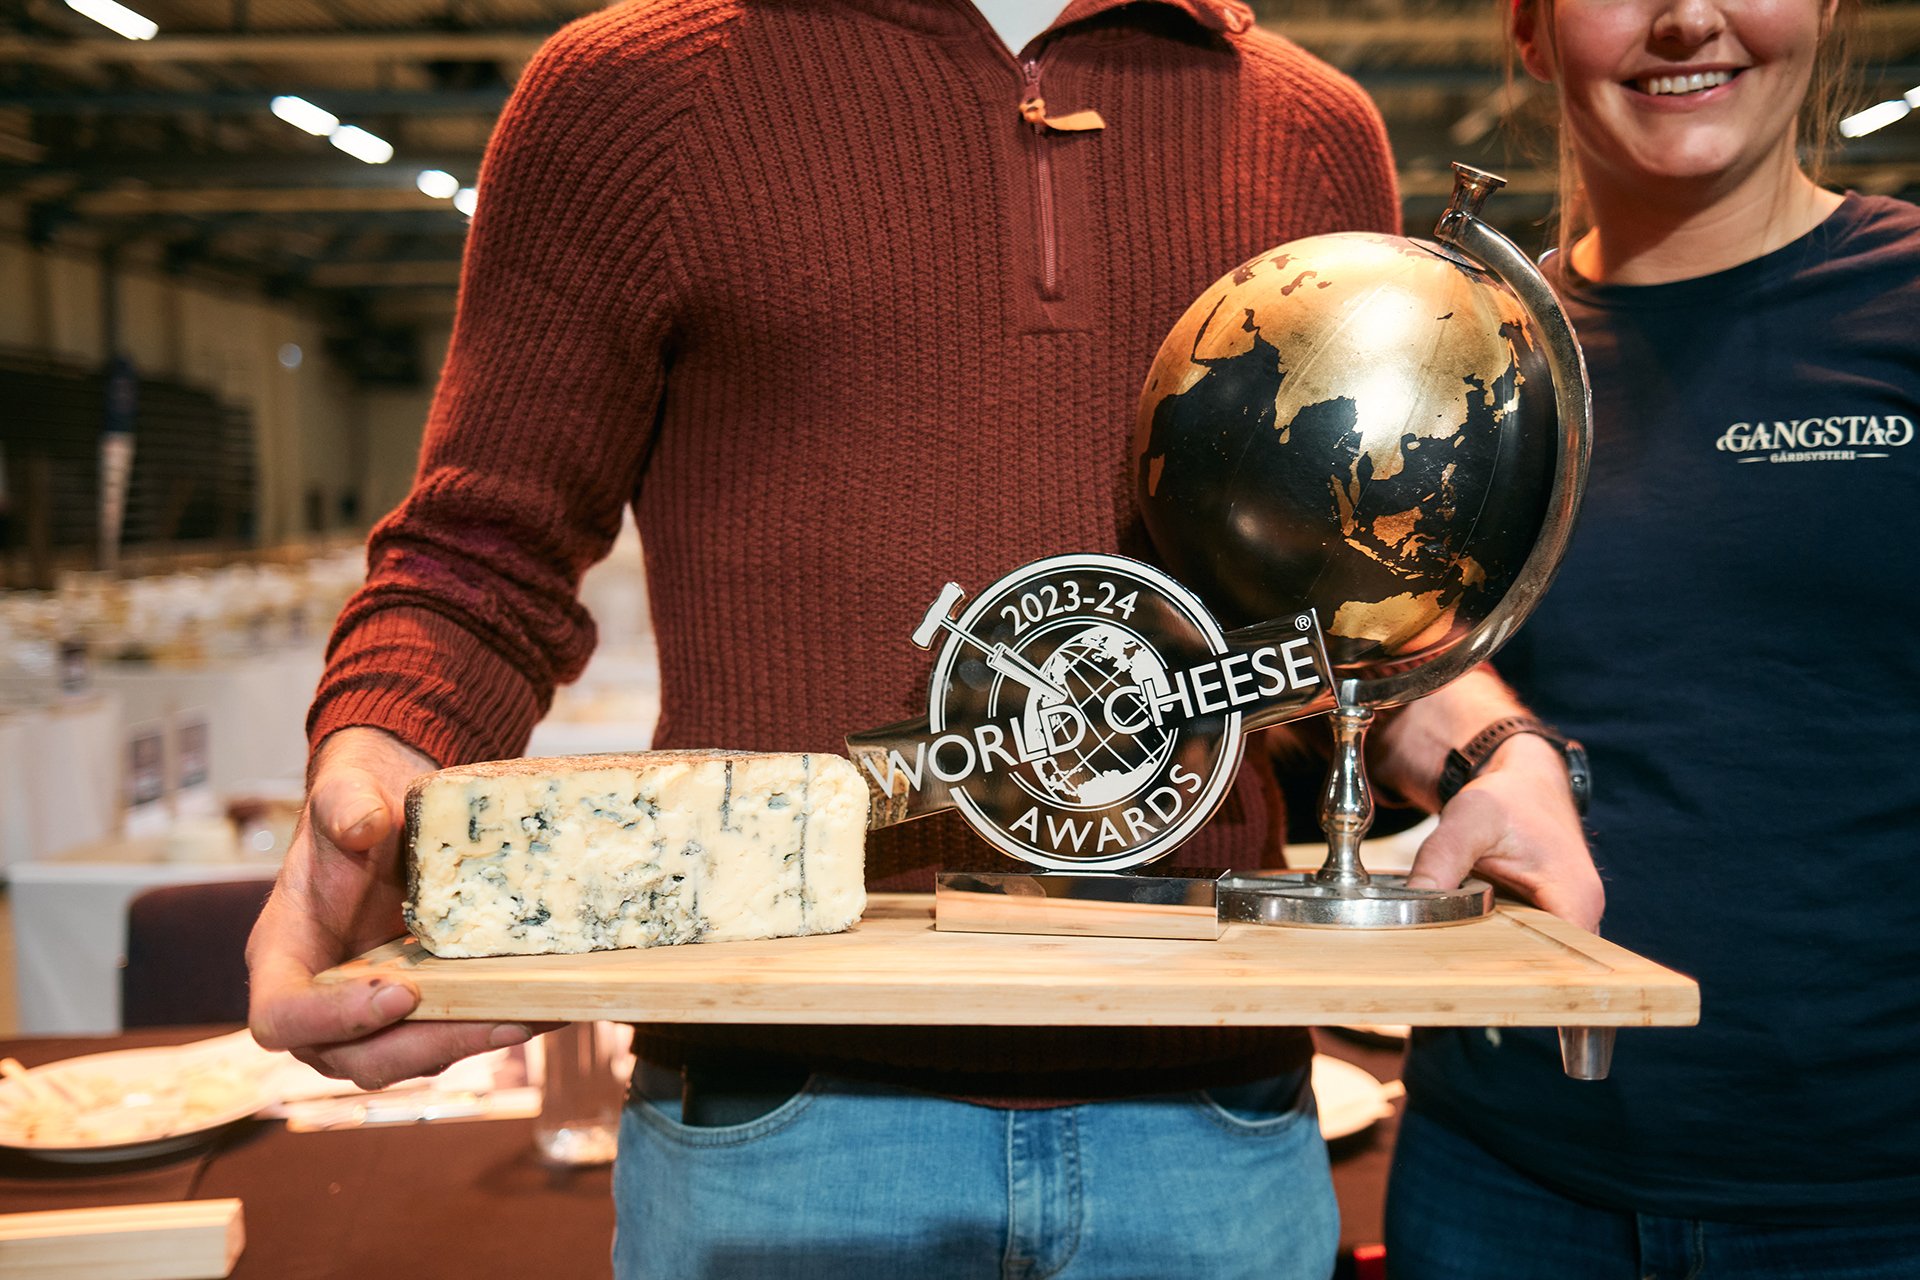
(1828, 91)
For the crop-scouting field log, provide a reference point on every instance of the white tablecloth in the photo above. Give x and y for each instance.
(70, 927)
(59, 777)
(255, 709)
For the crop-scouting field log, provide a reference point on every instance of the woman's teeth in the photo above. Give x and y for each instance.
(1694, 83)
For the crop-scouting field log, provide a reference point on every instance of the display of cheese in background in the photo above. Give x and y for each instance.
(589, 853)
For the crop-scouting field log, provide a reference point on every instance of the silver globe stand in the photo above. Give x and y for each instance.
(1342, 894)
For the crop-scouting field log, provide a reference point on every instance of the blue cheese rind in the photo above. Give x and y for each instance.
(592, 853)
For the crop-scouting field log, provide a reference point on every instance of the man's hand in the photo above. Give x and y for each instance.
(1516, 825)
(338, 895)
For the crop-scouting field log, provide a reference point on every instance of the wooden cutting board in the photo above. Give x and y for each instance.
(1518, 967)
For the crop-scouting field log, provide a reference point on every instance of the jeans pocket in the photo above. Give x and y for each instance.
(663, 1115)
(1276, 1104)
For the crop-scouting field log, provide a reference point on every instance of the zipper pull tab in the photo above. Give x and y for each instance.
(1034, 112)
(1033, 108)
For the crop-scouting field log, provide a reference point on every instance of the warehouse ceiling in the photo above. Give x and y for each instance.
(165, 150)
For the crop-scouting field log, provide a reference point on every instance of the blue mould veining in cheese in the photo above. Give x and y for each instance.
(590, 853)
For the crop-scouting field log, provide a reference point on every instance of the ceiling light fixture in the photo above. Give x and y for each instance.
(117, 18)
(302, 114)
(467, 200)
(1877, 116)
(361, 145)
(438, 183)
(321, 123)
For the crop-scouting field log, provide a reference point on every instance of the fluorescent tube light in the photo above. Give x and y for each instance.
(467, 201)
(438, 183)
(117, 18)
(361, 145)
(1877, 116)
(302, 114)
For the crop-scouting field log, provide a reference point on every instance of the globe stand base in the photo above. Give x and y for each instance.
(1341, 894)
(1384, 902)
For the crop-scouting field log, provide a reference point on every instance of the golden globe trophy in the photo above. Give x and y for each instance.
(1394, 434)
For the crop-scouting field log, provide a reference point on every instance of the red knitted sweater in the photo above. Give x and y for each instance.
(799, 283)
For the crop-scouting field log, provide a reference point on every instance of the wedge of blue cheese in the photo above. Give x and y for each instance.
(591, 853)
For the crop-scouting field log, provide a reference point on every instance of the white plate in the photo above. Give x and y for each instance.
(131, 1103)
(1350, 1098)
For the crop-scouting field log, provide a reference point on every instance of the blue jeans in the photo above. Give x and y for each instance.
(1455, 1212)
(847, 1180)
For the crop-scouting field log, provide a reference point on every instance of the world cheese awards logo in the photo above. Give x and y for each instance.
(1087, 712)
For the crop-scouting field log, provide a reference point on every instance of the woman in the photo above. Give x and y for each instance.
(1722, 638)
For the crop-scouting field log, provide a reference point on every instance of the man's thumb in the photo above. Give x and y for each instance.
(350, 809)
(1442, 862)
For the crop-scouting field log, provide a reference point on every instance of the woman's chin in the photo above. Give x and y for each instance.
(1706, 163)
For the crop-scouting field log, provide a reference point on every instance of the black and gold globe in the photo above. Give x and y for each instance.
(1362, 424)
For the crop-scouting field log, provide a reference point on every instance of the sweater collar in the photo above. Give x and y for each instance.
(957, 17)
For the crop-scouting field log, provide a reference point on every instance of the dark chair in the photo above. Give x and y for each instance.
(186, 953)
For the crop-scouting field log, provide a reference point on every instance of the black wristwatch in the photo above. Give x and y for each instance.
(1465, 764)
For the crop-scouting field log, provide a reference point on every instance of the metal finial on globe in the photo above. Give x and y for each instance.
(1361, 423)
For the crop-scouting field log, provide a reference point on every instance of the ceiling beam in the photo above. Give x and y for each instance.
(439, 220)
(342, 102)
(425, 274)
(240, 168)
(221, 200)
(20, 150)
(318, 46)
(413, 306)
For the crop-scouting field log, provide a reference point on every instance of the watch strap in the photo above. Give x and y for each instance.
(1464, 764)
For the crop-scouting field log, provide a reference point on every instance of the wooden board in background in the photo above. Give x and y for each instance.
(1518, 967)
(178, 1240)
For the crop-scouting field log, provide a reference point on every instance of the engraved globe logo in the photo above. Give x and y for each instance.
(1117, 747)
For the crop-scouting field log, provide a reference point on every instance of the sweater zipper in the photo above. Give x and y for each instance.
(1043, 184)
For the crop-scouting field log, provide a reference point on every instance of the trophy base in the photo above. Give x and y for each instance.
(1175, 903)
(1296, 898)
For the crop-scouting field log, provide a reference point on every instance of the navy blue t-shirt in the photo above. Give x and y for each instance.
(1735, 636)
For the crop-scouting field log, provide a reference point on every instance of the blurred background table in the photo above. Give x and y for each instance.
(70, 925)
(59, 776)
(254, 708)
(452, 1200)
(442, 1201)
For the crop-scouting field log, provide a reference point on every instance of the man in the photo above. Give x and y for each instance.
(845, 300)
